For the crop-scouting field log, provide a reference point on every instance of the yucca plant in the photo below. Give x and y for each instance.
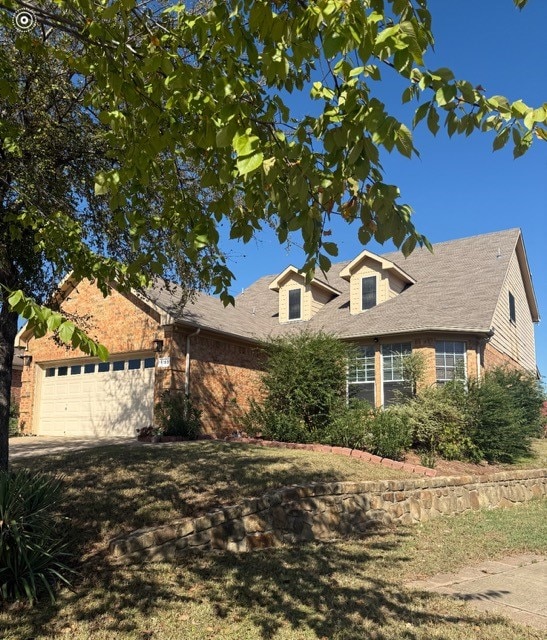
(33, 551)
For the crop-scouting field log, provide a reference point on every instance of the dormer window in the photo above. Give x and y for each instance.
(368, 292)
(373, 280)
(300, 299)
(295, 304)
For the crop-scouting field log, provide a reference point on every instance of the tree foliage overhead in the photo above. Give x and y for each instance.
(214, 86)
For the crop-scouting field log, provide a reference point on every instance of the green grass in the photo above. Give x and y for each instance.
(538, 459)
(348, 590)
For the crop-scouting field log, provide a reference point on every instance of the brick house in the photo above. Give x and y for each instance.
(467, 307)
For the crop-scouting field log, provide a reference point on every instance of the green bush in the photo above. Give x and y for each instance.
(284, 427)
(304, 387)
(176, 415)
(389, 433)
(526, 394)
(350, 427)
(439, 423)
(13, 427)
(33, 554)
(501, 426)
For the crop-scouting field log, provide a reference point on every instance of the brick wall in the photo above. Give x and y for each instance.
(495, 358)
(16, 375)
(224, 377)
(121, 322)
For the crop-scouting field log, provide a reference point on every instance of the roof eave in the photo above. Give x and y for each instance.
(527, 279)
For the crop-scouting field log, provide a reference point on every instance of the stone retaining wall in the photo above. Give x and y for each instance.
(327, 511)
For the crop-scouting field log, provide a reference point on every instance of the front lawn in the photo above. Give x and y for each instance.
(348, 590)
(116, 489)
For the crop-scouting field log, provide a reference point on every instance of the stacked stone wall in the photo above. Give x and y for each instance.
(328, 511)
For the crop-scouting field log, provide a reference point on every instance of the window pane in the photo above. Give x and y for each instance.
(104, 366)
(364, 391)
(50, 372)
(118, 365)
(134, 364)
(294, 304)
(361, 368)
(450, 360)
(149, 363)
(62, 371)
(368, 292)
(512, 311)
(75, 370)
(89, 368)
(395, 392)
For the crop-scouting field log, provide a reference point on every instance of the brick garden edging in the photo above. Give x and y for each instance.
(328, 511)
(365, 456)
(357, 454)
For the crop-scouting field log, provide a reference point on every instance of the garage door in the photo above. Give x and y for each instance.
(97, 399)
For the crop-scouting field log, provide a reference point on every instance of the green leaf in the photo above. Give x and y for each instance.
(403, 141)
(331, 248)
(244, 144)
(250, 163)
(420, 113)
(102, 352)
(66, 331)
(433, 120)
(501, 139)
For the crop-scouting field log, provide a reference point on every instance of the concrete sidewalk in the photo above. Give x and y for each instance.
(515, 587)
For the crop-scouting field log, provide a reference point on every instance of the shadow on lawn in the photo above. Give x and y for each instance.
(332, 590)
(112, 490)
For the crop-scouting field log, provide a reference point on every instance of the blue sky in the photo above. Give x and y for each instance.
(459, 187)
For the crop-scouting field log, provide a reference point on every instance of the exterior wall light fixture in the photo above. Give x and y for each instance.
(158, 345)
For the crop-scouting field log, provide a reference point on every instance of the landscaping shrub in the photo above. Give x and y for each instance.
(440, 425)
(33, 554)
(526, 394)
(177, 416)
(304, 387)
(273, 425)
(13, 428)
(350, 427)
(501, 425)
(389, 433)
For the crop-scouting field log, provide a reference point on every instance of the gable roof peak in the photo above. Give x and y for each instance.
(384, 263)
(292, 270)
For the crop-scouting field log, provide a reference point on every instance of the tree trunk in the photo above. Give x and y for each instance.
(8, 331)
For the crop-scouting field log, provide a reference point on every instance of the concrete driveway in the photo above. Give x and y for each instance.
(30, 446)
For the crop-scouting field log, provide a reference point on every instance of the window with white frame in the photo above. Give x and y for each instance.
(393, 371)
(361, 372)
(450, 360)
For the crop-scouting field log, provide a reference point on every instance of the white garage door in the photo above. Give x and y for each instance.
(97, 399)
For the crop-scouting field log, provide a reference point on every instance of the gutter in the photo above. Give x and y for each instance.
(187, 366)
(480, 342)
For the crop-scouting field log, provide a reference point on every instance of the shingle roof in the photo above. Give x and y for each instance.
(457, 289)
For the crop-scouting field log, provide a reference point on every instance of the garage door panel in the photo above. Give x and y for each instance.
(97, 403)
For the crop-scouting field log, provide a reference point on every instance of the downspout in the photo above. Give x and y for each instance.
(480, 343)
(187, 367)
